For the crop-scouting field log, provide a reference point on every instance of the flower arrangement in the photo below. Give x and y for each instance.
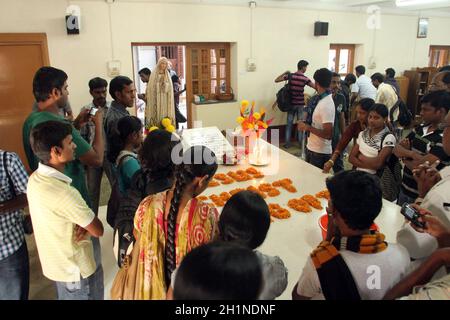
(166, 123)
(251, 121)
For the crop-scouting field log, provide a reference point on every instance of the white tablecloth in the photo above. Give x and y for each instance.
(292, 239)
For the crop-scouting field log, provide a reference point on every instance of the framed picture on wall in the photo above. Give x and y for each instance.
(422, 29)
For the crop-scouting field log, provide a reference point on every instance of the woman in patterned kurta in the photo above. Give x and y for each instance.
(171, 223)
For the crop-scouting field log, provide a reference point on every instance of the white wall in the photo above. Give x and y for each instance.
(281, 37)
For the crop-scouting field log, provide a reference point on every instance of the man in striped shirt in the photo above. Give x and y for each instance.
(297, 84)
(424, 143)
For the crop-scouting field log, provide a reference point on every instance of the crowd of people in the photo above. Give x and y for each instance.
(171, 245)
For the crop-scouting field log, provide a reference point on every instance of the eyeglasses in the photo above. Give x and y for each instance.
(442, 126)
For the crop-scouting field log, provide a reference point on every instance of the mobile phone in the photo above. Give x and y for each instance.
(411, 214)
(93, 111)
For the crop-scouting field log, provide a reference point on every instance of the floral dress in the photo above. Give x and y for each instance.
(197, 226)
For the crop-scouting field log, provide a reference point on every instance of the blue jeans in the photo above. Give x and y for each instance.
(297, 112)
(317, 159)
(15, 275)
(403, 198)
(90, 288)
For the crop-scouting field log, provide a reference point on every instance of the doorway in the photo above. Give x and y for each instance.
(146, 55)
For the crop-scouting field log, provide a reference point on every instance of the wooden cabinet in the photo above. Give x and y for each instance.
(419, 82)
(403, 83)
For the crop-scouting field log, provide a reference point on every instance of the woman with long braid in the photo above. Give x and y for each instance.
(170, 224)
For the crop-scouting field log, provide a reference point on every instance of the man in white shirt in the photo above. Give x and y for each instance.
(386, 94)
(318, 148)
(434, 196)
(363, 87)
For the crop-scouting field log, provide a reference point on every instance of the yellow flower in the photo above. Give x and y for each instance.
(240, 120)
(250, 126)
(166, 122)
(257, 116)
(264, 125)
(170, 128)
(153, 128)
(244, 103)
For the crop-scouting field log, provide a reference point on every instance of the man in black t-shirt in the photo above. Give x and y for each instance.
(424, 143)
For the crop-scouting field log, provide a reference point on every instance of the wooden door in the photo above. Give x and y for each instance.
(21, 55)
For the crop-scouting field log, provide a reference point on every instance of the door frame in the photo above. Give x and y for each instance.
(188, 75)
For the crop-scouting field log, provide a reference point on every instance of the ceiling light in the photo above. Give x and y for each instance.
(407, 3)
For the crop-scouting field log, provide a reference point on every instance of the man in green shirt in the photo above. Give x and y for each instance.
(50, 91)
(51, 94)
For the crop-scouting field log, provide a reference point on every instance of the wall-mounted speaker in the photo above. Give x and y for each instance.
(320, 28)
(72, 24)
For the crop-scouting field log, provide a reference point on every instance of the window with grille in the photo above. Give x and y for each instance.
(210, 69)
(170, 52)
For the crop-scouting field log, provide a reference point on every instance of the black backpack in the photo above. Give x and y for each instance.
(115, 197)
(284, 96)
(390, 175)
(140, 187)
(404, 115)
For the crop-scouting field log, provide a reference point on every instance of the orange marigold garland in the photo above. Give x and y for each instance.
(251, 170)
(299, 205)
(285, 184)
(213, 183)
(217, 200)
(324, 194)
(220, 176)
(225, 196)
(254, 189)
(312, 201)
(278, 212)
(273, 192)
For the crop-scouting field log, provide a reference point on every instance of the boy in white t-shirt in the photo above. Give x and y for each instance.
(62, 221)
(319, 149)
(355, 262)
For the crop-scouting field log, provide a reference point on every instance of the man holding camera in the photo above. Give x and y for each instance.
(433, 189)
(98, 91)
(419, 284)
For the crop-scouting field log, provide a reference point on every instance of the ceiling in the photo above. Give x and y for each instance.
(430, 7)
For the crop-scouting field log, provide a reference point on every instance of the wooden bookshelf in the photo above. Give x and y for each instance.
(419, 83)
